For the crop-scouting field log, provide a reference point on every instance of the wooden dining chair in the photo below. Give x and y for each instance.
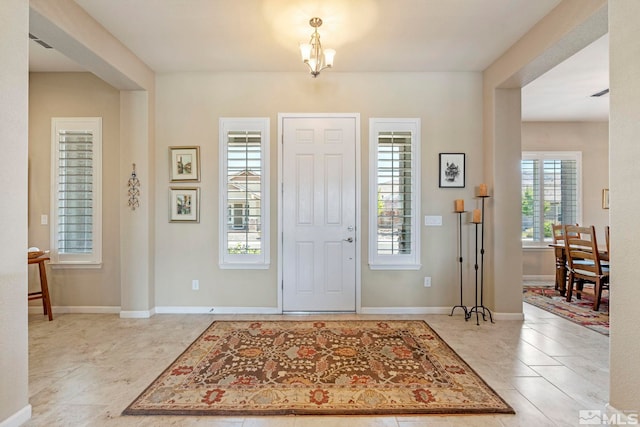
(557, 232)
(584, 263)
(606, 255)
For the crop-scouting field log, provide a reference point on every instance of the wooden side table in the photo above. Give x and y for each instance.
(44, 287)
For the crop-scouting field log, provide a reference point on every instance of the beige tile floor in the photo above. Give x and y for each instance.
(85, 369)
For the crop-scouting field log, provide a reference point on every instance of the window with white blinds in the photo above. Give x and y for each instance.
(394, 195)
(551, 193)
(244, 231)
(76, 191)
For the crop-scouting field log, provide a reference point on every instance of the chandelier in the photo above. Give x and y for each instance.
(316, 58)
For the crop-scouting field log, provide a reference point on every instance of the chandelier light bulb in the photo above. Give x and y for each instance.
(316, 58)
(305, 51)
(329, 54)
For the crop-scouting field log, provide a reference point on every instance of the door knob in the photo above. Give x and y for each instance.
(349, 239)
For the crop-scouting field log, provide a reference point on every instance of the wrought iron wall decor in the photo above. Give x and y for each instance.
(134, 190)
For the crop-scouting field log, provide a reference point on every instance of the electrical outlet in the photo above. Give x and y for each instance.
(44, 219)
(195, 284)
(427, 282)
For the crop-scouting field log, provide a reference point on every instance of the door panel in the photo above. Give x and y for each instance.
(319, 214)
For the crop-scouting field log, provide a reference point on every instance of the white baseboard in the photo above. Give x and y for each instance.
(538, 278)
(145, 314)
(78, 309)
(137, 314)
(216, 310)
(508, 316)
(17, 419)
(434, 310)
(405, 310)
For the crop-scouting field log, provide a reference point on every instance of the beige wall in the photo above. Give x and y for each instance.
(76, 95)
(188, 108)
(189, 117)
(14, 357)
(592, 140)
(624, 59)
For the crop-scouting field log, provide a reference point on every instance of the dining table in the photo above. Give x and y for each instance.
(561, 267)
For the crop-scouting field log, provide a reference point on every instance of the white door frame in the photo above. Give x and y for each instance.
(358, 221)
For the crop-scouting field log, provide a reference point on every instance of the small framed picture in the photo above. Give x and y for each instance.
(605, 198)
(184, 164)
(452, 170)
(184, 204)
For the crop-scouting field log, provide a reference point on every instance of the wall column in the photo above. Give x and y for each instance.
(505, 221)
(624, 150)
(137, 226)
(14, 87)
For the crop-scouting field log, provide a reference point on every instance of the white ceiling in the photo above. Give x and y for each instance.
(369, 36)
(564, 92)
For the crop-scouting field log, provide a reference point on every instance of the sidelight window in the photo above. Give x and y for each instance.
(394, 194)
(244, 186)
(76, 193)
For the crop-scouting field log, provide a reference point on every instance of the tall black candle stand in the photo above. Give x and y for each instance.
(477, 307)
(460, 260)
(484, 309)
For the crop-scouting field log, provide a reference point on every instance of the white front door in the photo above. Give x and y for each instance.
(319, 213)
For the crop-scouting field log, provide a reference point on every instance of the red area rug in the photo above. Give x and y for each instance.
(578, 310)
(318, 368)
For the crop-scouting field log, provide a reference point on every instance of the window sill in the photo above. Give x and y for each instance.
(244, 266)
(539, 247)
(75, 266)
(395, 266)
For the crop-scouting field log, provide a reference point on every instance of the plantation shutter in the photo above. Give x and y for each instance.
(244, 175)
(560, 193)
(76, 191)
(531, 199)
(550, 193)
(395, 193)
(75, 195)
(244, 193)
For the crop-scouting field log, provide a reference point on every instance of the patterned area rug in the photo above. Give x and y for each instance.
(579, 311)
(316, 368)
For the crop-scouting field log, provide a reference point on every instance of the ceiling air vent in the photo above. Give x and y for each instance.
(40, 42)
(602, 92)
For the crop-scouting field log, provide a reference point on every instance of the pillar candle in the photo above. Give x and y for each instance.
(459, 205)
(477, 217)
(482, 191)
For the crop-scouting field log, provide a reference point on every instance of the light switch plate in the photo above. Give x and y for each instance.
(433, 220)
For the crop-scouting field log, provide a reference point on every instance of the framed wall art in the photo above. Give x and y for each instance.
(184, 204)
(452, 170)
(184, 164)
